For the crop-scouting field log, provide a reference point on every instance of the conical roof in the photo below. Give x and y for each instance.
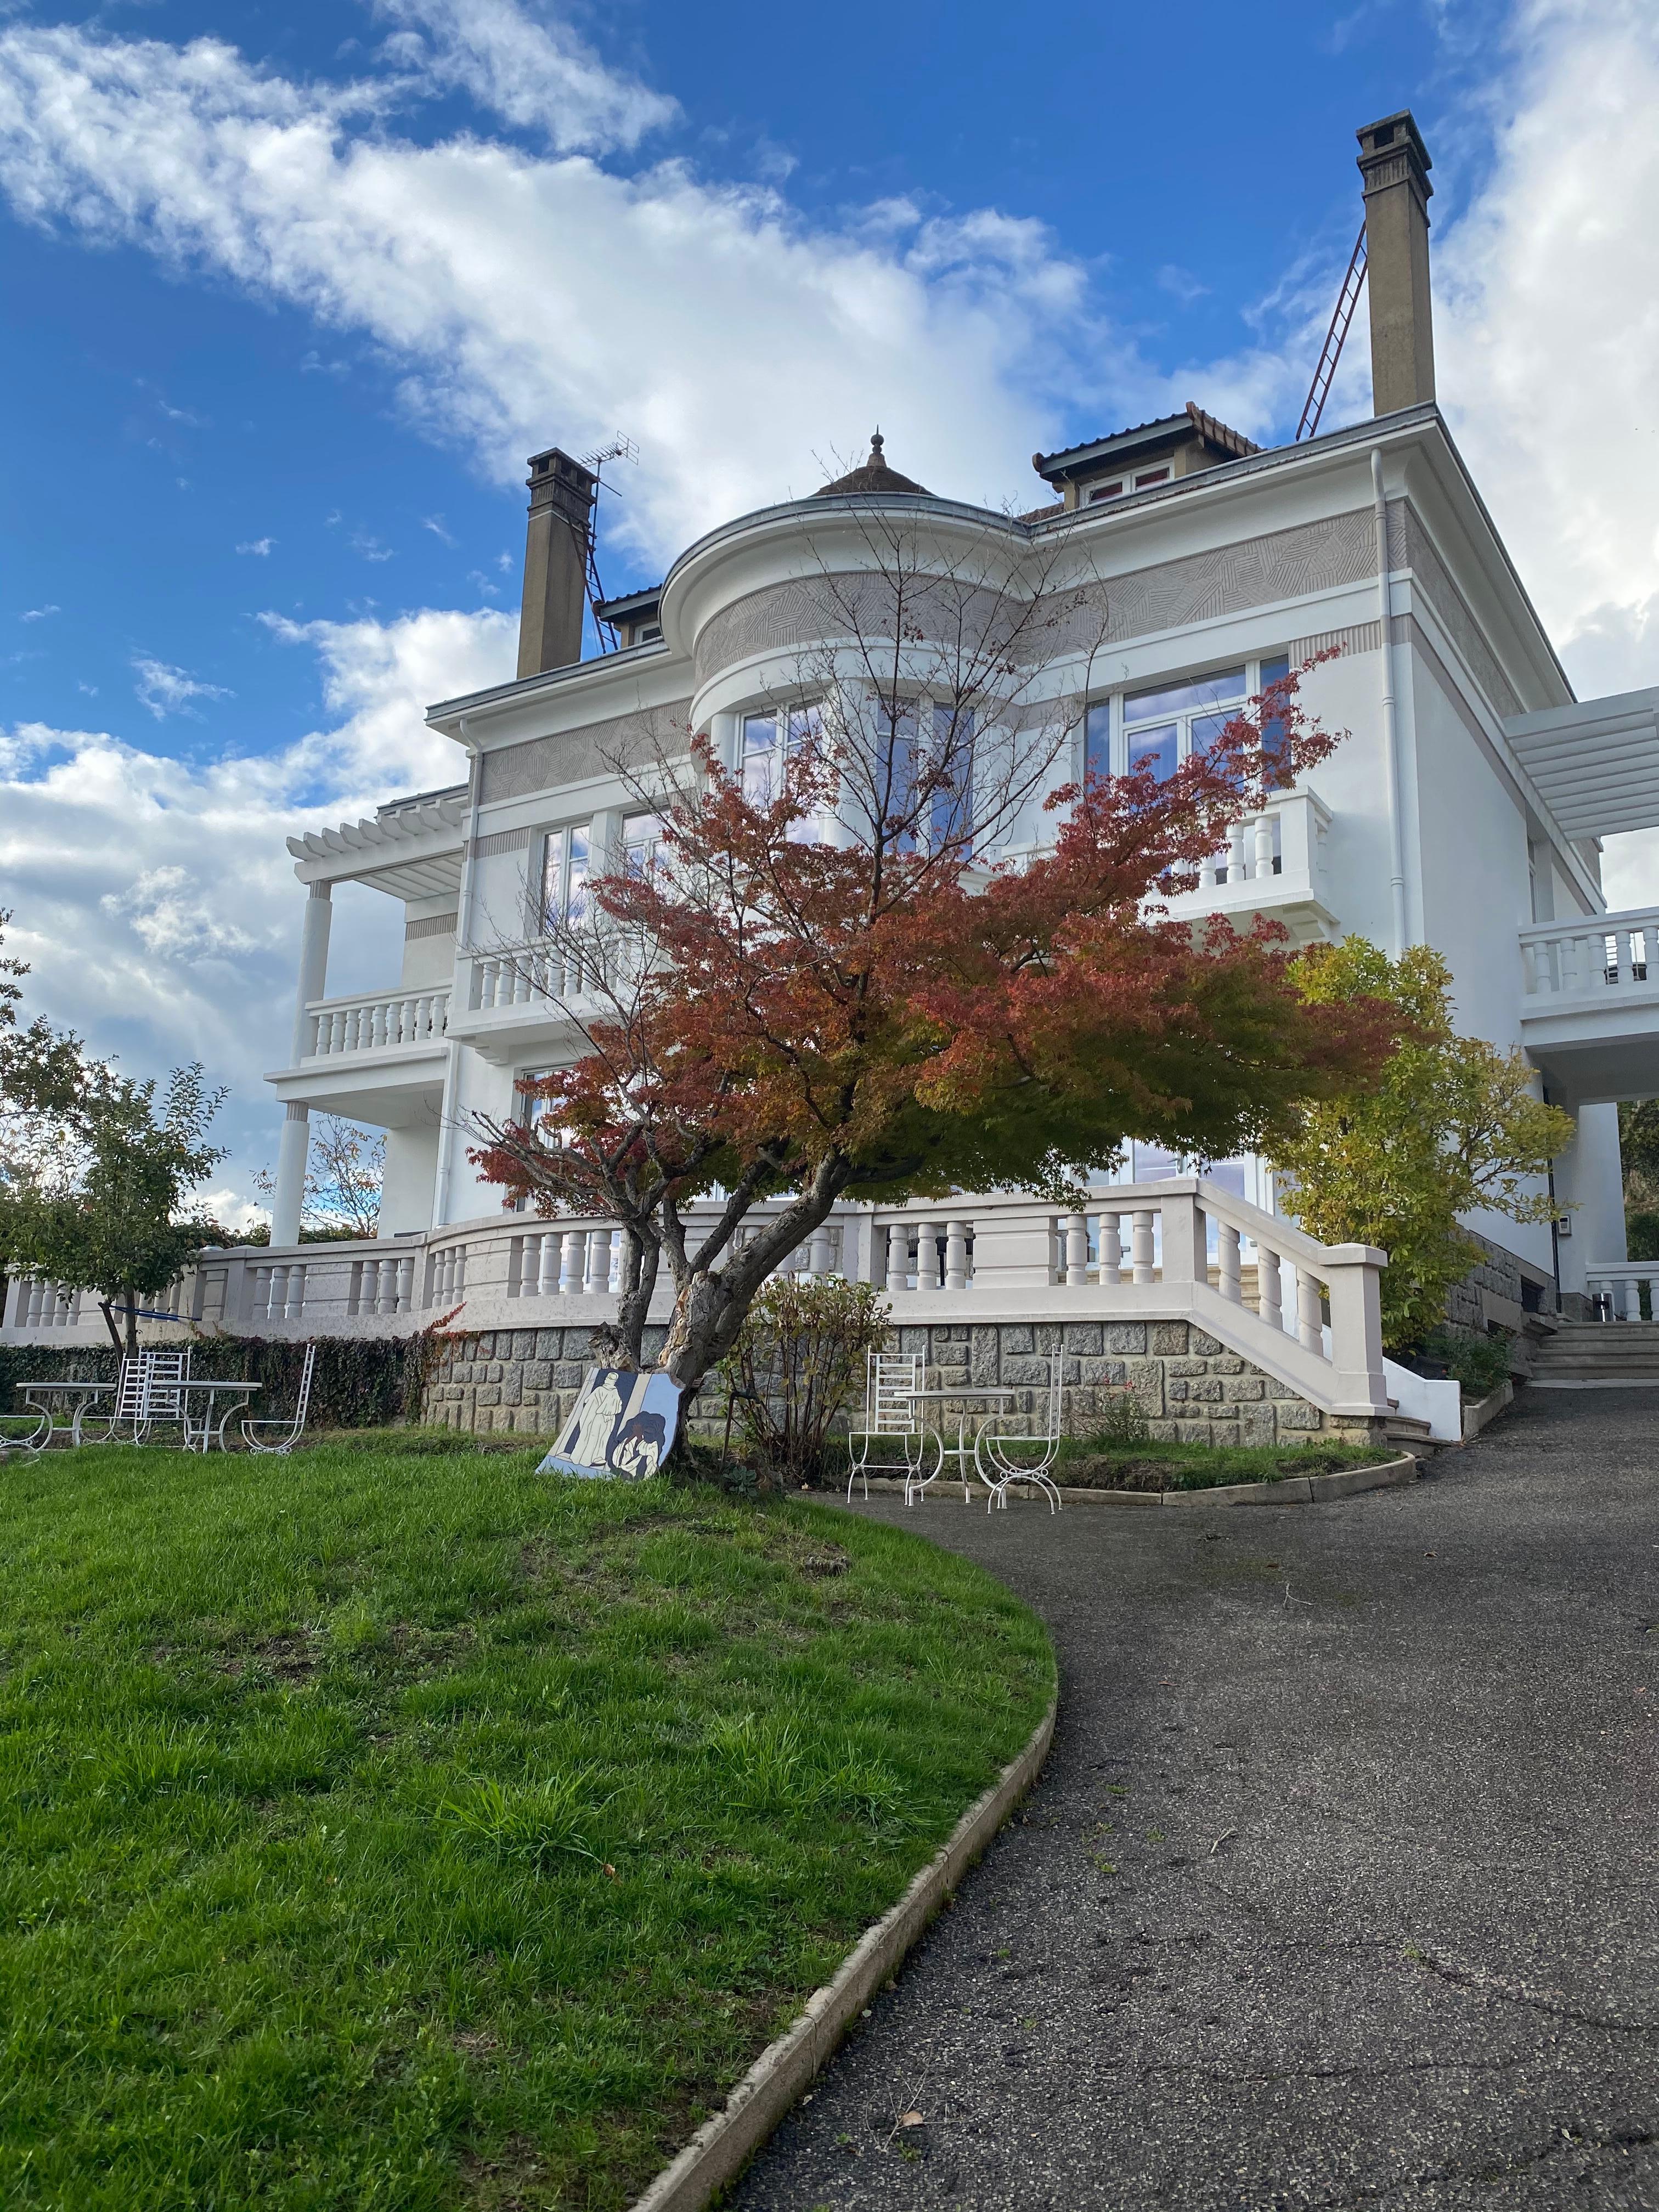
(873, 476)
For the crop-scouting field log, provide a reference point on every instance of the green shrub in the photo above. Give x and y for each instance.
(798, 1359)
(1642, 1236)
(1122, 1421)
(1478, 1363)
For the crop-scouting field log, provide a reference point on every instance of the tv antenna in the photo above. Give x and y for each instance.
(621, 448)
(1347, 300)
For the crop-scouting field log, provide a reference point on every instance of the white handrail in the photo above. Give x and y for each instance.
(1590, 953)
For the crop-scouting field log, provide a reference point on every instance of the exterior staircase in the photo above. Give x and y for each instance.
(1595, 1355)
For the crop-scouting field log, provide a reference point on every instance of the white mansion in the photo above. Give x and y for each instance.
(1464, 809)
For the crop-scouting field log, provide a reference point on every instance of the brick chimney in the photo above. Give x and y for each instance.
(556, 539)
(1395, 165)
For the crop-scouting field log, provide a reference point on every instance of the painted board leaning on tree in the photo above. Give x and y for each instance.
(822, 986)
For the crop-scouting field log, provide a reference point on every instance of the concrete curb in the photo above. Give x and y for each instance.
(1292, 1490)
(1486, 1410)
(722, 2146)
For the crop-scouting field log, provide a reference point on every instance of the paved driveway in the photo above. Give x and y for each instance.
(1341, 1886)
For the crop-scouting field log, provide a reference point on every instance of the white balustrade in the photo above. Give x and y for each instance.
(1620, 1290)
(446, 1275)
(524, 975)
(47, 1305)
(1284, 844)
(1591, 953)
(383, 1283)
(377, 1021)
(278, 1291)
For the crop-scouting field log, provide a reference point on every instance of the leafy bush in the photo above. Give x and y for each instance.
(1642, 1235)
(1478, 1363)
(1123, 1422)
(800, 1357)
(361, 1382)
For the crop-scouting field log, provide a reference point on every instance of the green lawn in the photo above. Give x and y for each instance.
(390, 1829)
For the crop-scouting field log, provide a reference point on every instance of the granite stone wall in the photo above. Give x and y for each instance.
(1190, 1386)
(1498, 1273)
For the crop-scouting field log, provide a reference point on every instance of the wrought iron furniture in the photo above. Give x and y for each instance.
(998, 1453)
(287, 1429)
(890, 1439)
(965, 1450)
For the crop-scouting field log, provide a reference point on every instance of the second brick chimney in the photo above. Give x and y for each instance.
(1395, 165)
(556, 541)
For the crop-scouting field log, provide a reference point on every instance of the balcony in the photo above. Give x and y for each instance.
(1590, 1014)
(377, 1056)
(517, 996)
(1274, 866)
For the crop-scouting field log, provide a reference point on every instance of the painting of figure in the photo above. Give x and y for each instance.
(621, 1424)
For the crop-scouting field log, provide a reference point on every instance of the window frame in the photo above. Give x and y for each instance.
(563, 832)
(1115, 702)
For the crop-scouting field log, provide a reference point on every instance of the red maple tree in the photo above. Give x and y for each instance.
(776, 1011)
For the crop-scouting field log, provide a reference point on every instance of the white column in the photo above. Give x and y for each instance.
(599, 1261)
(898, 1257)
(956, 1255)
(821, 1253)
(1141, 1247)
(1077, 1249)
(1111, 1247)
(289, 1196)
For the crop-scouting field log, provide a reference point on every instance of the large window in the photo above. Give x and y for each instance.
(641, 842)
(951, 805)
(1166, 723)
(564, 876)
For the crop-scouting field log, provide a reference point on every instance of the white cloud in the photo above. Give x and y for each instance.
(258, 546)
(1547, 344)
(155, 897)
(435, 523)
(38, 614)
(533, 299)
(528, 67)
(167, 690)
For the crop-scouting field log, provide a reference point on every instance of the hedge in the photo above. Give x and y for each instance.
(360, 1383)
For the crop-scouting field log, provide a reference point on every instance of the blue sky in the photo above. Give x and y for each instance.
(291, 293)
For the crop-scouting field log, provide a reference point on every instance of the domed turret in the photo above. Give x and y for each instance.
(872, 478)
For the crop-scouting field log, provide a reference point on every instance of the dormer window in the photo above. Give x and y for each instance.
(648, 634)
(1098, 492)
(1150, 477)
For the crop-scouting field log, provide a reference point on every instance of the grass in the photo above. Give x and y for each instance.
(389, 1829)
(1153, 1464)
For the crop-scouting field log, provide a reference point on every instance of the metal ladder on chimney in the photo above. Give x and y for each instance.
(1347, 300)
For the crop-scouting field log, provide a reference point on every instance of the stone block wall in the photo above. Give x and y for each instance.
(1190, 1386)
(1498, 1273)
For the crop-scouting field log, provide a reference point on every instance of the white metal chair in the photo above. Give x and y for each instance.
(893, 1422)
(147, 1392)
(289, 1427)
(999, 1454)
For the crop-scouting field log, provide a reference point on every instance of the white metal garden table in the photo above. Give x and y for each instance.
(965, 1447)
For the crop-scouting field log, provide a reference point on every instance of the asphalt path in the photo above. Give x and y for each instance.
(1341, 1885)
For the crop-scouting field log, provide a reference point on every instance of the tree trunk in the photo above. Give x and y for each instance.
(106, 1307)
(131, 1298)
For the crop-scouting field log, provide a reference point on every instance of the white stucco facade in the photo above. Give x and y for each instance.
(1262, 557)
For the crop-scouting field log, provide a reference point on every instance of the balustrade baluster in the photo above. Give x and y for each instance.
(1268, 1289)
(572, 1263)
(598, 1260)
(1235, 853)
(547, 1264)
(1077, 1249)
(1141, 1248)
(821, 1253)
(1308, 1326)
(1111, 1247)
(1264, 845)
(898, 1257)
(1227, 1241)
(928, 1270)
(956, 1255)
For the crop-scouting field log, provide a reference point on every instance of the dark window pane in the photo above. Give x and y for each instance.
(1097, 744)
(1215, 691)
(951, 806)
(1156, 745)
(1275, 732)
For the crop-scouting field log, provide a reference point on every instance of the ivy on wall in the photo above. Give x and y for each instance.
(360, 1383)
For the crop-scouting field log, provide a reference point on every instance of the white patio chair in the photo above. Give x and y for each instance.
(1005, 1457)
(144, 1396)
(287, 1430)
(891, 1439)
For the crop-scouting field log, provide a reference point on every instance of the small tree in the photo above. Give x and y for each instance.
(345, 1175)
(826, 986)
(113, 1220)
(799, 1356)
(1451, 1126)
